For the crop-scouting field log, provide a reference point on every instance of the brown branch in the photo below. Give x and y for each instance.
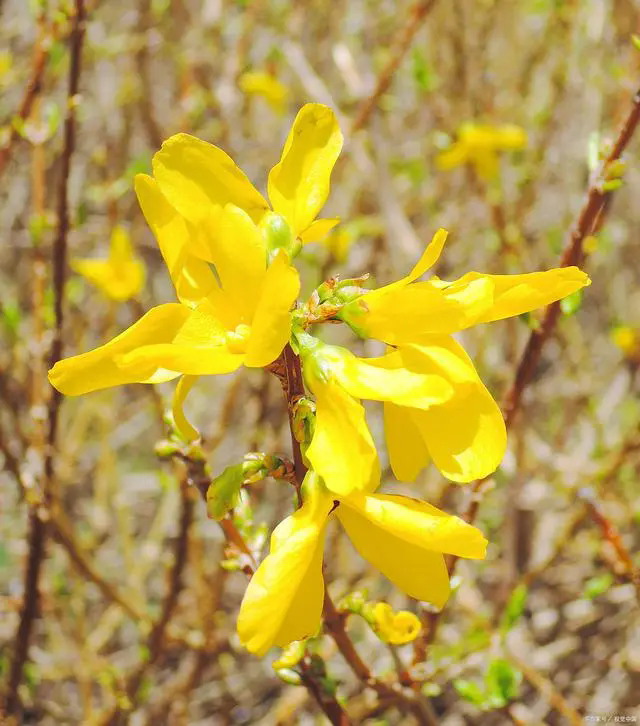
(417, 14)
(37, 524)
(34, 86)
(590, 218)
(157, 637)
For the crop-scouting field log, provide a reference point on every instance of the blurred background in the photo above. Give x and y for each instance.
(546, 630)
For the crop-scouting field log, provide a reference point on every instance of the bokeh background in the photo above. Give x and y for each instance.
(546, 630)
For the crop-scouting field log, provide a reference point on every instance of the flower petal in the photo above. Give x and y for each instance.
(318, 230)
(299, 183)
(466, 436)
(408, 453)
(192, 277)
(271, 325)
(97, 369)
(185, 384)
(342, 450)
(238, 251)
(420, 573)
(284, 599)
(194, 175)
(517, 294)
(390, 378)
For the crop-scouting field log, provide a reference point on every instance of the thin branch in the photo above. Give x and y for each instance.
(417, 14)
(590, 218)
(37, 524)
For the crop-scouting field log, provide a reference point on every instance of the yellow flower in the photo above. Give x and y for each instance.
(341, 449)
(122, 275)
(463, 434)
(479, 145)
(626, 339)
(394, 628)
(259, 83)
(215, 328)
(197, 177)
(402, 538)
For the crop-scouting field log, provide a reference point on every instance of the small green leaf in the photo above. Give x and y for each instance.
(470, 691)
(515, 607)
(598, 585)
(635, 39)
(503, 681)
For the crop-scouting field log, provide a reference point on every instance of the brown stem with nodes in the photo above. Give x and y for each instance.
(38, 524)
(589, 221)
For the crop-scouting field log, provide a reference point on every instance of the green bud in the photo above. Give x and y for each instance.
(289, 676)
(224, 490)
(277, 235)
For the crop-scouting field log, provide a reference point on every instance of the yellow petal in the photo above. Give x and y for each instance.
(414, 522)
(391, 378)
(318, 230)
(185, 384)
(97, 369)
(237, 250)
(454, 156)
(192, 277)
(395, 628)
(342, 450)
(466, 436)
(263, 84)
(408, 453)
(194, 176)
(404, 539)
(271, 325)
(517, 294)
(299, 183)
(486, 163)
(121, 249)
(284, 599)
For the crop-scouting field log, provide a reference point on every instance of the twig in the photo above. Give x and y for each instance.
(591, 215)
(34, 86)
(37, 524)
(417, 14)
(156, 638)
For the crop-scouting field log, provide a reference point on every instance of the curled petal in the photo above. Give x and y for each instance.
(185, 384)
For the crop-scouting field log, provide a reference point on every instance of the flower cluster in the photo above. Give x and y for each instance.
(229, 254)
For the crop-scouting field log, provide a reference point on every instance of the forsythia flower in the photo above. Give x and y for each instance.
(194, 176)
(341, 449)
(394, 628)
(259, 83)
(215, 328)
(404, 539)
(479, 145)
(122, 275)
(464, 434)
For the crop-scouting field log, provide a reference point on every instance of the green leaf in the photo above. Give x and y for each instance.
(503, 681)
(515, 607)
(423, 73)
(635, 39)
(598, 585)
(470, 691)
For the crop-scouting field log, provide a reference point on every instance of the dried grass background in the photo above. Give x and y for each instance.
(561, 514)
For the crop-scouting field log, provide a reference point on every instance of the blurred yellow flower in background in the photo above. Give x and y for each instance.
(627, 340)
(260, 83)
(401, 537)
(122, 275)
(479, 145)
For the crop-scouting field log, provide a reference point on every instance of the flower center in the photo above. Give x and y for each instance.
(237, 339)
